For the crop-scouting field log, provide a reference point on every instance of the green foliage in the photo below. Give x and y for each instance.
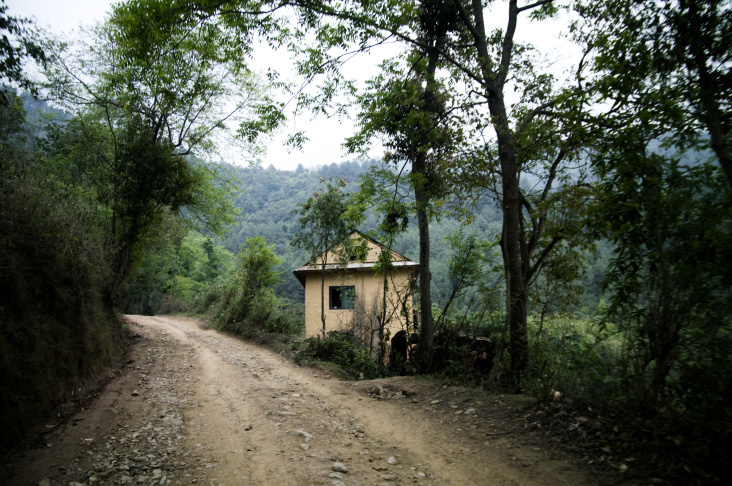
(138, 182)
(664, 171)
(410, 113)
(175, 273)
(467, 266)
(344, 353)
(247, 303)
(56, 327)
(324, 232)
(406, 107)
(144, 291)
(669, 277)
(663, 65)
(18, 42)
(151, 99)
(147, 176)
(577, 357)
(322, 223)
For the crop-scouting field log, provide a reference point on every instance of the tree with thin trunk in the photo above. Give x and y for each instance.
(407, 106)
(324, 232)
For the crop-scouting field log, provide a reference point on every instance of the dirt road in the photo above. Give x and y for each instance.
(193, 406)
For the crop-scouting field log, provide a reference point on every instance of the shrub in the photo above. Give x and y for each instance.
(247, 304)
(578, 357)
(343, 353)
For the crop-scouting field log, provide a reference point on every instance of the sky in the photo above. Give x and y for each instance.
(325, 135)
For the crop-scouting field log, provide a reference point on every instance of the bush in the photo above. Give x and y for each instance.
(577, 357)
(247, 304)
(345, 354)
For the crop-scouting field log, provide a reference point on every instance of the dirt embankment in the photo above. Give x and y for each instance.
(194, 406)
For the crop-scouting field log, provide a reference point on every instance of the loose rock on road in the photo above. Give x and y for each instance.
(194, 406)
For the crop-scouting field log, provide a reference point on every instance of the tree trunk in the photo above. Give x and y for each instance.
(422, 197)
(427, 330)
(690, 27)
(322, 296)
(516, 288)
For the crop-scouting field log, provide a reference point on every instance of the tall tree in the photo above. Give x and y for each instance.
(674, 70)
(407, 107)
(489, 63)
(324, 232)
(662, 161)
(150, 99)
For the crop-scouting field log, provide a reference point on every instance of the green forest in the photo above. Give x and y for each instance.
(579, 221)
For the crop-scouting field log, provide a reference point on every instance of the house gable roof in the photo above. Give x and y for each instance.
(398, 260)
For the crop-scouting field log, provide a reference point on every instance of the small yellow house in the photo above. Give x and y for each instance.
(356, 300)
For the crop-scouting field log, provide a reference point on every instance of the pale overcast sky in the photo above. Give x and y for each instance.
(326, 135)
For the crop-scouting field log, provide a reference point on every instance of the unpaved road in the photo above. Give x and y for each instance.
(194, 406)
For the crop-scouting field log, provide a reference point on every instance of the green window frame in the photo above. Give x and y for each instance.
(341, 296)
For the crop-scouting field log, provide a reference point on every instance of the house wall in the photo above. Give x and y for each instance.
(369, 290)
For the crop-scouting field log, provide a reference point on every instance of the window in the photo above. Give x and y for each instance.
(342, 297)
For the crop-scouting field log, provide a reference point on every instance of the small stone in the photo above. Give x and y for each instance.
(339, 467)
(304, 446)
(302, 433)
(135, 393)
(44, 482)
(140, 459)
(157, 473)
(391, 460)
(335, 475)
(419, 475)
(470, 411)
(435, 402)
(337, 483)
